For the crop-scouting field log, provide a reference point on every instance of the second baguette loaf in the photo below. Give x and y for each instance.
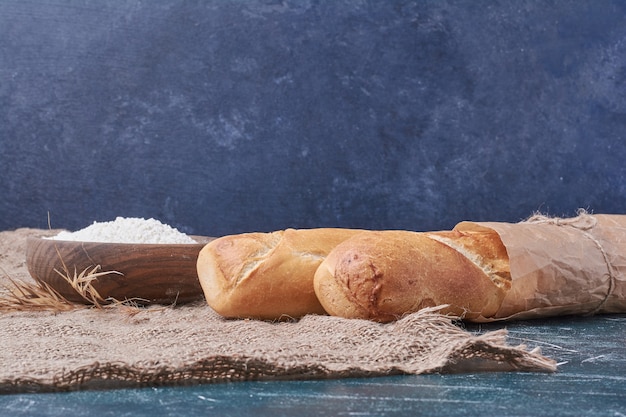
(382, 275)
(266, 275)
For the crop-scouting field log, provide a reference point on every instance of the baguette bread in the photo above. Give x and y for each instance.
(383, 275)
(266, 276)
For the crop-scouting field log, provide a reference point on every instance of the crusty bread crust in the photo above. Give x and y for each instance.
(266, 275)
(383, 275)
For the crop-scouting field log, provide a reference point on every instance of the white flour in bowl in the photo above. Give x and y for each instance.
(127, 230)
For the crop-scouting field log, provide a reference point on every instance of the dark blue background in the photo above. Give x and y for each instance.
(228, 116)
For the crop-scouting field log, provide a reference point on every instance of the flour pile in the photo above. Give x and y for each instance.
(127, 230)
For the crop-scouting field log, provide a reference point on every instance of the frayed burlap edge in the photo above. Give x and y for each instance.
(423, 342)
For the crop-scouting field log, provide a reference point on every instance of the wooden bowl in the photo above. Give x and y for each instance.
(146, 273)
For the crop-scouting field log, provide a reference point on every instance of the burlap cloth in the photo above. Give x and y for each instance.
(122, 347)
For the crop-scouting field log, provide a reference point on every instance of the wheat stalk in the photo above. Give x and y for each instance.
(41, 296)
(82, 283)
(33, 296)
(26, 296)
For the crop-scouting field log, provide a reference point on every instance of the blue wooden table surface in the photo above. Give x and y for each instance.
(591, 381)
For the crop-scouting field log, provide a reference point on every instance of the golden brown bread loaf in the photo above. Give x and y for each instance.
(382, 275)
(266, 275)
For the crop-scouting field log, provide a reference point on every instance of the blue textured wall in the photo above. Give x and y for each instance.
(227, 116)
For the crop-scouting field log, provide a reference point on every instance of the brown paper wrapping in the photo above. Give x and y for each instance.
(562, 266)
